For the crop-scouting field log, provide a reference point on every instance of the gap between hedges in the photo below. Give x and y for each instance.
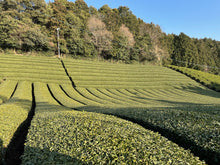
(15, 148)
(70, 78)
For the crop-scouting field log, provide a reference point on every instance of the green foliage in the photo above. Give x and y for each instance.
(36, 40)
(129, 19)
(73, 93)
(185, 50)
(80, 47)
(17, 35)
(33, 69)
(209, 80)
(7, 30)
(57, 92)
(195, 125)
(99, 75)
(6, 90)
(31, 25)
(15, 111)
(197, 54)
(90, 138)
(121, 50)
(151, 95)
(144, 47)
(81, 6)
(110, 17)
(175, 108)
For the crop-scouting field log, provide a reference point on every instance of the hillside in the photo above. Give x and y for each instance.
(31, 26)
(75, 99)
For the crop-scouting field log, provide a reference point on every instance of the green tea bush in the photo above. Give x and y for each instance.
(209, 80)
(101, 75)
(199, 126)
(33, 69)
(6, 90)
(100, 93)
(45, 103)
(57, 92)
(15, 111)
(89, 138)
(73, 93)
(90, 95)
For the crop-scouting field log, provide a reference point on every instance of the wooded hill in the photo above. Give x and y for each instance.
(112, 34)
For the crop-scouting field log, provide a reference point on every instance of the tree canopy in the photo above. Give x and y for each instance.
(116, 34)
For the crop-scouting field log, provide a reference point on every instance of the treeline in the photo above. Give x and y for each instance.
(199, 54)
(116, 34)
(27, 25)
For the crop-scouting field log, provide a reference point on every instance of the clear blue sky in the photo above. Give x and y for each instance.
(195, 18)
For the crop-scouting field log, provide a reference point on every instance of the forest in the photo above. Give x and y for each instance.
(28, 26)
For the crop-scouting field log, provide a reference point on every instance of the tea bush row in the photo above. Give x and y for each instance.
(71, 137)
(191, 120)
(75, 94)
(197, 125)
(209, 80)
(102, 75)
(14, 112)
(33, 69)
(59, 94)
(6, 90)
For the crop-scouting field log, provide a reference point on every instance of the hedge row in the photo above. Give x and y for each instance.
(6, 90)
(60, 95)
(14, 112)
(194, 126)
(74, 93)
(102, 75)
(33, 69)
(100, 94)
(138, 97)
(207, 79)
(89, 138)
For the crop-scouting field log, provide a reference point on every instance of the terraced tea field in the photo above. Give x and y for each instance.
(37, 69)
(77, 109)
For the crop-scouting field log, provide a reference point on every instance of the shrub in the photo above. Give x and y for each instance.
(14, 112)
(207, 79)
(89, 138)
